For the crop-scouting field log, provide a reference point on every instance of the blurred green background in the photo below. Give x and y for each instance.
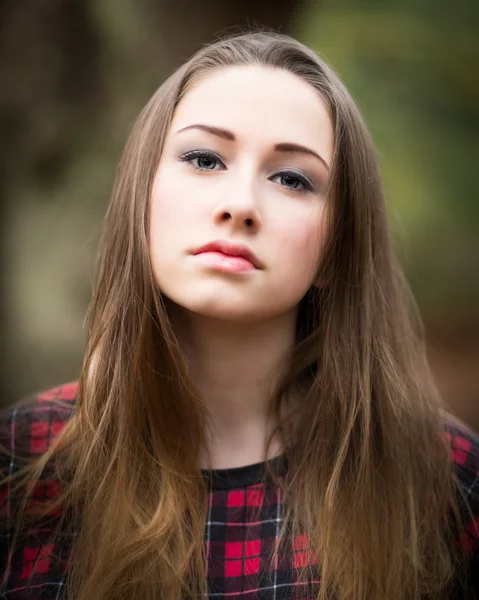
(74, 75)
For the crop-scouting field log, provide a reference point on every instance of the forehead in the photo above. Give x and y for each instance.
(258, 100)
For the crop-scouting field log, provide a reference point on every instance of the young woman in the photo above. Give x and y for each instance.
(255, 417)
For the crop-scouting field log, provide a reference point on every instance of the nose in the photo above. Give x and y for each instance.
(240, 207)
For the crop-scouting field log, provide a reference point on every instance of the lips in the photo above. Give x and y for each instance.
(229, 249)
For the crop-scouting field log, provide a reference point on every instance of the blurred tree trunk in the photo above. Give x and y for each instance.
(453, 350)
(73, 76)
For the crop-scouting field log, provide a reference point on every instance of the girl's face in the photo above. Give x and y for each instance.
(245, 162)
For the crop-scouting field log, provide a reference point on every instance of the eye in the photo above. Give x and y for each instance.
(294, 181)
(202, 160)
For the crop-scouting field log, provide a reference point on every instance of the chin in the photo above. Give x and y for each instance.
(226, 312)
(215, 309)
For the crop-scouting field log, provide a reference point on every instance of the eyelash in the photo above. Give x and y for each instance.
(188, 157)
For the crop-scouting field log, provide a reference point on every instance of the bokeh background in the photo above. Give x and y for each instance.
(75, 73)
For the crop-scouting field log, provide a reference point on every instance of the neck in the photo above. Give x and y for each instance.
(235, 367)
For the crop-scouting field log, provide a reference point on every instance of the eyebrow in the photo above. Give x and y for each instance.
(230, 137)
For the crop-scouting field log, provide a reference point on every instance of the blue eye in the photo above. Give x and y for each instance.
(294, 181)
(205, 161)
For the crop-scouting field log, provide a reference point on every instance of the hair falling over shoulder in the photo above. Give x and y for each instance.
(374, 490)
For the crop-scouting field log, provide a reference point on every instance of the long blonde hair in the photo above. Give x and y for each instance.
(371, 469)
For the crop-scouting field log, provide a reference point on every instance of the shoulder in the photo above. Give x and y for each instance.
(27, 430)
(28, 427)
(464, 446)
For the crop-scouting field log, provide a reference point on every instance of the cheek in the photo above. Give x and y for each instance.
(171, 214)
(165, 205)
(301, 244)
(164, 226)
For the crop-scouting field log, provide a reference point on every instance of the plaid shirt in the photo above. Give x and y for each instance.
(243, 522)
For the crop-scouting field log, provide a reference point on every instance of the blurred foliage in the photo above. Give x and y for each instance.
(413, 68)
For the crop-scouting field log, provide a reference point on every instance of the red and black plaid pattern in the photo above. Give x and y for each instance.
(244, 517)
(27, 429)
(242, 529)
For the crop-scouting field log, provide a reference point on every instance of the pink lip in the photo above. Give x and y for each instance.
(224, 254)
(223, 262)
